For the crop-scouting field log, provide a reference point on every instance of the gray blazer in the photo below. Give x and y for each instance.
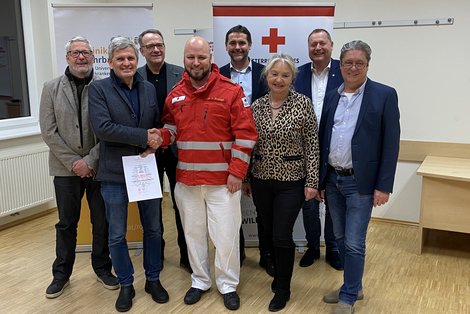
(173, 75)
(58, 118)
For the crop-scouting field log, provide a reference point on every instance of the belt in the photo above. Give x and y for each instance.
(342, 171)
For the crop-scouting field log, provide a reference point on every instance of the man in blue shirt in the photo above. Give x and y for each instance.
(359, 143)
(247, 74)
(314, 80)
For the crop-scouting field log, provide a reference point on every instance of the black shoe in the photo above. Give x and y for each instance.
(109, 281)
(309, 257)
(279, 300)
(186, 266)
(155, 288)
(266, 262)
(273, 285)
(124, 300)
(232, 301)
(56, 288)
(193, 295)
(332, 258)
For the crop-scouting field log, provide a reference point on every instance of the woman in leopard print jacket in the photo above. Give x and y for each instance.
(284, 169)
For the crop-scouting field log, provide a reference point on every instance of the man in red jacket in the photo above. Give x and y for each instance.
(211, 121)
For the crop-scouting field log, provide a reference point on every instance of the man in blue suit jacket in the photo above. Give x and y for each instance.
(359, 140)
(164, 76)
(123, 113)
(241, 69)
(247, 74)
(314, 80)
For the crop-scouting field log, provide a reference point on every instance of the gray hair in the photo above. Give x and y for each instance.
(356, 45)
(120, 43)
(149, 31)
(77, 38)
(282, 57)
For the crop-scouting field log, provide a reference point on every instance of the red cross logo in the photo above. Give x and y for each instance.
(273, 40)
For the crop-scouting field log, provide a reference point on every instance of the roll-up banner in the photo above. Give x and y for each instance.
(99, 23)
(275, 28)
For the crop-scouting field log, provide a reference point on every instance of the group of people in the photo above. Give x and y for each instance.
(288, 138)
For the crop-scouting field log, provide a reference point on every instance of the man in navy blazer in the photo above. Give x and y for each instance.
(241, 69)
(359, 140)
(164, 76)
(247, 74)
(123, 113)
(314, 80)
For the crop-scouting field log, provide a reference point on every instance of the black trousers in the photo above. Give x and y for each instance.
(279, 204)
(166, 162)
(263, 247)
(69, 192)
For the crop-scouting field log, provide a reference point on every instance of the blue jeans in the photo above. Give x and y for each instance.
(350, 212)
(312, 226)
(116, 202)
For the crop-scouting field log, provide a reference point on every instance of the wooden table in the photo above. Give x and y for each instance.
(445, 195)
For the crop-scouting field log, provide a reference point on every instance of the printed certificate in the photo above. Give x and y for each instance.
(142, 179)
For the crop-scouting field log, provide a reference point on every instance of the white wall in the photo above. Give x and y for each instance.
(428, 65)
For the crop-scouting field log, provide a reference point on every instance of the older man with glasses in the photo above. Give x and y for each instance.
(164, 76)
(360, 138)
(73, 161)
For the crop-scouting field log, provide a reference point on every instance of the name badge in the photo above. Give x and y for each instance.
(178, 98)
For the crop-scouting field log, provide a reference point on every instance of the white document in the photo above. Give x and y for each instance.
(142, 181)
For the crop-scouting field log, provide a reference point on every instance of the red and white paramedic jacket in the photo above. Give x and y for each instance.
(213, 128)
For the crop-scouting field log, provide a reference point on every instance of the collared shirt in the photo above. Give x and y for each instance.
(244, 79)
(132, 94)
(319, 82)
(344, 125)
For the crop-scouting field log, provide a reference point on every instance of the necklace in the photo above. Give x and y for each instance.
(274, 107)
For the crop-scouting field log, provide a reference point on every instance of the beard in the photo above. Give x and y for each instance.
(197, 75)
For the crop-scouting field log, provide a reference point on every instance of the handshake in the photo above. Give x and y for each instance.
(154, 138)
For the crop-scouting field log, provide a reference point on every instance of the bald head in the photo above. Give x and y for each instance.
(197, 60)
(197, 43)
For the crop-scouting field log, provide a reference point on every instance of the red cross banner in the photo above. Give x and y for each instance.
(275, 28)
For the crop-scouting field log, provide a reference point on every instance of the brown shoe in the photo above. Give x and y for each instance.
(343, 308)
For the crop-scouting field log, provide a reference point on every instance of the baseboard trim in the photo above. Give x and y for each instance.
(27, 218)
(395, 221)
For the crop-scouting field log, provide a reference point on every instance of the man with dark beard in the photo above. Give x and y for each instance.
(247, 73)
(209, 118)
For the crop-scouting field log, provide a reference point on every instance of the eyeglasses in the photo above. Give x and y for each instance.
(350, 64)
(151, 47)
(76, 53)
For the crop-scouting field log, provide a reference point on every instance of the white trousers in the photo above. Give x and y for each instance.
(211, 210)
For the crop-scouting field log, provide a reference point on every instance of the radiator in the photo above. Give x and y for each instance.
(24, 180)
